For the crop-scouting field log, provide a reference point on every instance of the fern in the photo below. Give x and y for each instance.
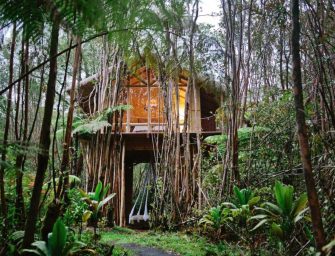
(91, 127)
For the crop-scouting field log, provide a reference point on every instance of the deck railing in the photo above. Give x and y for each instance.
(207, 125)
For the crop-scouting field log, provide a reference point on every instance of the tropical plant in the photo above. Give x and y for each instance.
(15, 241)
(215, 219)
(245, 200)
(75, 210)
(244, 196)
(283, 216)
(237, 211)
(57, 244)
(96, 200)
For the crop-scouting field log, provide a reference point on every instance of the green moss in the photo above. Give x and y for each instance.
(180, 243)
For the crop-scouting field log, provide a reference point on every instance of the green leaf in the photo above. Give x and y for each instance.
(270, 213)
(300, 215)
(308, 218)
(41, 246)
(277, 230)
(236, 212)
(91, 195)
(103, 202)
(284, 197)
(33, 251)
(299, 205)
(74, 179)
(261, 223)
(104, 192)
(279, 193)
(83, 193)
(57, 239)
(259, 216)
(91, 127)
(229, 205)
(97, 193)
(118, 108)
(254, 200)
(216, 139)
(86, 215)
(243, 195)
(274, 207)
(17, 236)
(238, 194)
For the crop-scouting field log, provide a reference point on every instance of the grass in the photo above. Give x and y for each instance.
(177, 242)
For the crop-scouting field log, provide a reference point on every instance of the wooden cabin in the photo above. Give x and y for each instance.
(144, 121)
(145, 96)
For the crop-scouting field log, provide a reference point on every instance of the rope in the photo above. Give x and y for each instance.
(133, 209)
(146, 215)
(143, 193)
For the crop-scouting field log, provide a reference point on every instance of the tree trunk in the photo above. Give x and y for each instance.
(5, 137)
(20, 158)
(19, 201)
(233, 28)
(68, 131)
(43, 155)
(54, 209)
(302, 131)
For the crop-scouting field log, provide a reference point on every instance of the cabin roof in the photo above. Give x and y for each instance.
(137, 77)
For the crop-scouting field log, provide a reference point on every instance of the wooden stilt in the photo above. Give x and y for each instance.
(128, 110)
(123, 188)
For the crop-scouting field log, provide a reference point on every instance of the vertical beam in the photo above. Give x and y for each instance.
(148, 73)
(123, 187)
(191, 115)
(128, 110)
(197, 108)
(129, 186)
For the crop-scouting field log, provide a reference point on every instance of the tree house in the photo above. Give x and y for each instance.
(155, 107)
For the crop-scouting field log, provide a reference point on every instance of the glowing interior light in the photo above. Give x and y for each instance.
(181, 113)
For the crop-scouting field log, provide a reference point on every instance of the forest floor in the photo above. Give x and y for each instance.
(140, 250)
(153, 243)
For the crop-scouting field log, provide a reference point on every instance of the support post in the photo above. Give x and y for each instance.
(128, 110)
(148, 72)
(123, 188)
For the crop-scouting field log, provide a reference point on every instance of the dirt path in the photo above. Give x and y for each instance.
(146, 251)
